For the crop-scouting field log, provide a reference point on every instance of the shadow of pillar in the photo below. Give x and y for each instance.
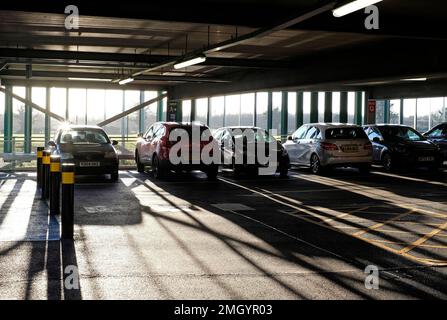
(71, 283)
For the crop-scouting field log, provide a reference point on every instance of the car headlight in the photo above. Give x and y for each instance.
(110, 155)
(66, 156)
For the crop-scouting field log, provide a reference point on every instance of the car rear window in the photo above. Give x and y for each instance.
(345, 133)
(84, 136)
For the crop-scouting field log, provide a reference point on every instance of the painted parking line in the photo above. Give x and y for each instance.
(386, 174)
(381, 224)
(425, 238)
(298, 206)
(404, 243)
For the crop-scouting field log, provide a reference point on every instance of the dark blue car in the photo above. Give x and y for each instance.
(438, 135)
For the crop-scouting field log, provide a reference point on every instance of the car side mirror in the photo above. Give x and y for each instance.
(51, 143)
(377, 140)
(114, 143)
(289, 138)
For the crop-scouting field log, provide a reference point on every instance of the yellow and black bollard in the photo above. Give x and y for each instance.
(67, 217)
(55, 184)
(45, 174)
(39, 166)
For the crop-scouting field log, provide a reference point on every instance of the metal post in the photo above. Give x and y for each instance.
(208, 111)
(358, 108)
(141, 114)
(255, 110)
(55, 184)
(45, 175)
(160, 108)
(328, 107)
(193, 110)
(284, 115)
(270, 111)
(179, 111)
(7, 147)
(47, 117)
(314, 107)
(28, 122)
(67, 217)
(386, 111)
(343, 107)
(39, 166)
(299, 109)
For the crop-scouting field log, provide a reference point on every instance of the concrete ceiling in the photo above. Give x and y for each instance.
(115, 41)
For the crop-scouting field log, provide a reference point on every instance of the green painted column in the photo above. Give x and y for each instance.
(358, 108)
(401, 113)
(124, 120)
(159, 108)
(28, 121)
(208, 111)
(7, 134)
(386, 111)
(193, 110)
(314, 107)
(284, 114)
(141, 115)
(328, 107)
(344, 107)
(47, 117)
(255, 111)
(270, 111)
(299, 109)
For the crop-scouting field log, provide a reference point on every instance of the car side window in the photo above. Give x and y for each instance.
(373, 133)
(299, 134)
(311, 133)
(149, 133)
(218, 134)
(159, 131)
(227, 139)
(436, 133)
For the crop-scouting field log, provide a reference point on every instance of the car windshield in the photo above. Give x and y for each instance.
(401, 133)
(345, 133)
(84, 136)
(253, 135)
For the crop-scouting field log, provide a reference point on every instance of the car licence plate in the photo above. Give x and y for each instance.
(350, 148)
(89, 164)
(426, 159)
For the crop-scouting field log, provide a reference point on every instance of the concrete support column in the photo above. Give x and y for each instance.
(270, 111)
(343, 107)
(401, 112)
(208, 111)
(386, 111)
(255, 112)
(284, 114)
(28, 121)
(193, 110)
(47, 117)
(141, 115)
(160, 115)
(328, 107)
(358, 108)
(7, 128)
(299, 109)
(314, 107)
(179, 115)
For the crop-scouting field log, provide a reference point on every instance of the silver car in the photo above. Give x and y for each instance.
(325, 145)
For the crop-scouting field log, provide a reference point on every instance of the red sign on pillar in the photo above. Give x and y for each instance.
(372, 104)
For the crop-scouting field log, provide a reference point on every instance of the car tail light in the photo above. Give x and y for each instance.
(368, 146)
(329, 146)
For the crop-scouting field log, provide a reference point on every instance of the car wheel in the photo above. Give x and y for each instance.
(387, 162)
(366, 168)
(157, 171)
(140, 166)
(237, 169)
(211, 172)
(114, 176)
(315, 165)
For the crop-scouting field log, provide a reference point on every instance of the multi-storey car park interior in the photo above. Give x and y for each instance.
(273, 65)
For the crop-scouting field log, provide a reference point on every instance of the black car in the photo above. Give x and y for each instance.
(398, 146)
(438, 135)
(238, 146)
(89, 148)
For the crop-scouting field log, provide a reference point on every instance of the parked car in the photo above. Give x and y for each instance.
(438, 135)
(154, 146)
(88, 147)
(399, 146)
(249, 161)
(326, 145)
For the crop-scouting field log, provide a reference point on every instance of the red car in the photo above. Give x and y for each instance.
(154, 148)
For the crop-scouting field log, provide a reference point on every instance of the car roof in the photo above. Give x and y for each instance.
(175, 124)
(77, 126)
(328, 125)
(241, 127)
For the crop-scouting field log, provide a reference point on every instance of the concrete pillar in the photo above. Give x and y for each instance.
(160, 115)
(141, 115)
(28, 121)
(193, 110)
(7, 128)
(270, 111)
(299, 109)
(358, 108)
(47, 117)
(343, 107)
(401, 112)
(386, 111)
(284, 114)
(328, 107)
(314, 107)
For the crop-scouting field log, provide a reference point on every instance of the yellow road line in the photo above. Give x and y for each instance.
(424, 238)
(344, 214)
(405, 243)
(381, 224)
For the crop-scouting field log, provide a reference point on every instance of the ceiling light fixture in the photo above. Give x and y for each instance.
(90, 79)
(415, 79)
(125, 81)
(352, 7)
(189, 62)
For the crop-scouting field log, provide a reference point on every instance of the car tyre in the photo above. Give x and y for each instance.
(365, 169)
(158, 172)
(387, 162)
(140, 166)
(315, 165)
(114, 176)
(211, 172)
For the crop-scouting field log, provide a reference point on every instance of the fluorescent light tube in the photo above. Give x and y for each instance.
(125, 81)
(90, 79)
(352, 7)
(415, 79)
(189, 62)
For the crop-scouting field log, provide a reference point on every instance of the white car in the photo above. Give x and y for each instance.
(325, 145)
